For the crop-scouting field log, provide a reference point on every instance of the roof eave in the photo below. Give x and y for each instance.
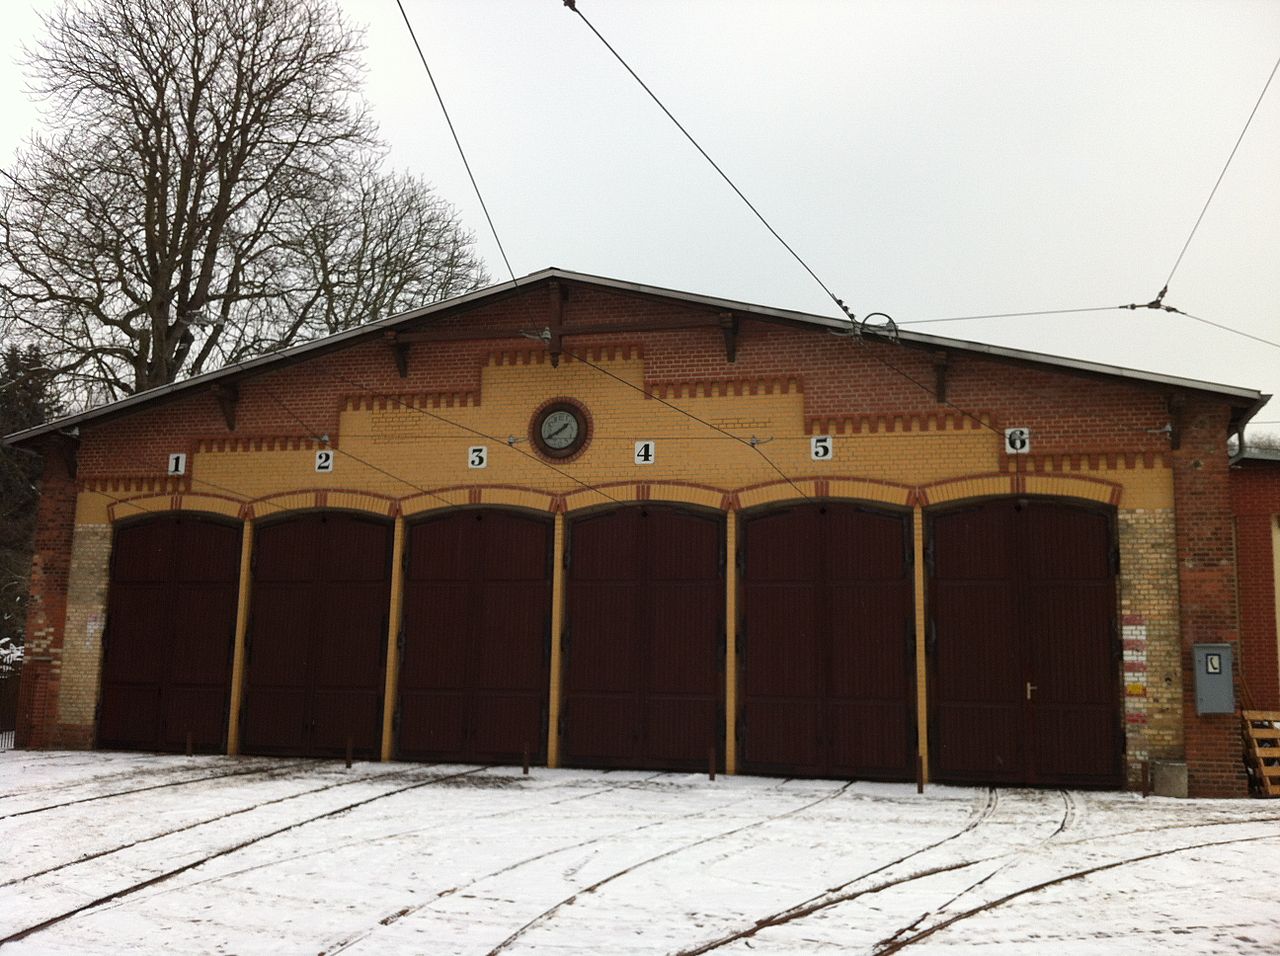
(1250, 399)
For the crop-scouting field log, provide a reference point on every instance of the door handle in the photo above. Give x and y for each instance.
(1031, 689)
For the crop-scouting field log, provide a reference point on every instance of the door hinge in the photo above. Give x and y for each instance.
(911, 640)
(931, 638)
(565, 640)
(1115, 560)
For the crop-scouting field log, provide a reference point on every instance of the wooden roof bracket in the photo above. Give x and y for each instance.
(729, 325)
(1177, 403)
(940, 376)
(555, 319)
(227, 396)
(399, 350)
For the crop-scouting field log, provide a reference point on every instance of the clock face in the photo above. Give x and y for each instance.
(560, 429)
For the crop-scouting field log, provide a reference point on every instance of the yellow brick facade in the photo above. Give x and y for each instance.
(404, 455)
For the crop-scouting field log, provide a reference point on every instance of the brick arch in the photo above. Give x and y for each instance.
(330, 499)
(989, 485)
(849, 487)
(627, 492)
(139, 505)
(469, 496)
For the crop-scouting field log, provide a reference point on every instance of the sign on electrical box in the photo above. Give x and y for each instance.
(1214, 693)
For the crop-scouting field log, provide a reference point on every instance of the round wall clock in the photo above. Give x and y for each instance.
(559, 429)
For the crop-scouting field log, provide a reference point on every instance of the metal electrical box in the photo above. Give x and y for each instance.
(1214, 693)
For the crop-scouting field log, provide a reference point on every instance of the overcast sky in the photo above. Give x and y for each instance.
(928, 159)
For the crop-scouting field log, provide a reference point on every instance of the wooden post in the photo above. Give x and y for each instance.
(731, 643)
(348, 751)
(922, 670)
(526, 758)
(392, 682)
(1146, 779)
(238, 662)
(557, 628)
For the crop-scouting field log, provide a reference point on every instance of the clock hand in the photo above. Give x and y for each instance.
(557, 431)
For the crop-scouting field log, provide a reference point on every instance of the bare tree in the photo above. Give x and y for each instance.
(209, 189)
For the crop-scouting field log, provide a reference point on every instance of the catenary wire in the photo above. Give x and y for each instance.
(1213, 191)
(572, 5)
(457, 142)
(1227, 328)
(474, 431)
(688, 414)
(1012, 315)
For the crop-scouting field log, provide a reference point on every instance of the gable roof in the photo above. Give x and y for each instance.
(1246, 401)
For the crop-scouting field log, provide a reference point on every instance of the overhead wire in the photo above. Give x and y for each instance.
(855, 329)
(753, 445)
(457, 142)
(1012, 315)
(572, 5)
(1218, 183)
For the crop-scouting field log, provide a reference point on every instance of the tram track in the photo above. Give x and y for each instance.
(225, 851)
(272, 770)
(978, 816)
(842, 894)
(1068, 813)
(903, 943)
(407, 911)
(88, 858)
(551, 911)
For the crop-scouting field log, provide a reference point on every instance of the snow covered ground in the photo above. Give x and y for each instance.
(107, 852)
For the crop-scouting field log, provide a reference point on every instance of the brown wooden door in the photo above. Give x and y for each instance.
(644, 639)
(825, 643)
(1023, 657)
(171, 615)
(474, 665)
(316, 653)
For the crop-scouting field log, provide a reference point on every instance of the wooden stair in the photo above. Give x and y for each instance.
(1262, 749)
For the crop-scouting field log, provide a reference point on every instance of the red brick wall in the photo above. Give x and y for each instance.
(1206, 579)
(46, 615)
(1069, 414)
(1255, 500)
(840, 377)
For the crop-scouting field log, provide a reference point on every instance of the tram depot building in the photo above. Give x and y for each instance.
(590, 523)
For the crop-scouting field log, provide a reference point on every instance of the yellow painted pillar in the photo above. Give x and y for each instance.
(922, 624)
(557, 628)
(393, 641)
(731, 644)
(242, 629)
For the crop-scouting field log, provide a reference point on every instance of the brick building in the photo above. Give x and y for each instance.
(604, 524)
(1255, 501)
